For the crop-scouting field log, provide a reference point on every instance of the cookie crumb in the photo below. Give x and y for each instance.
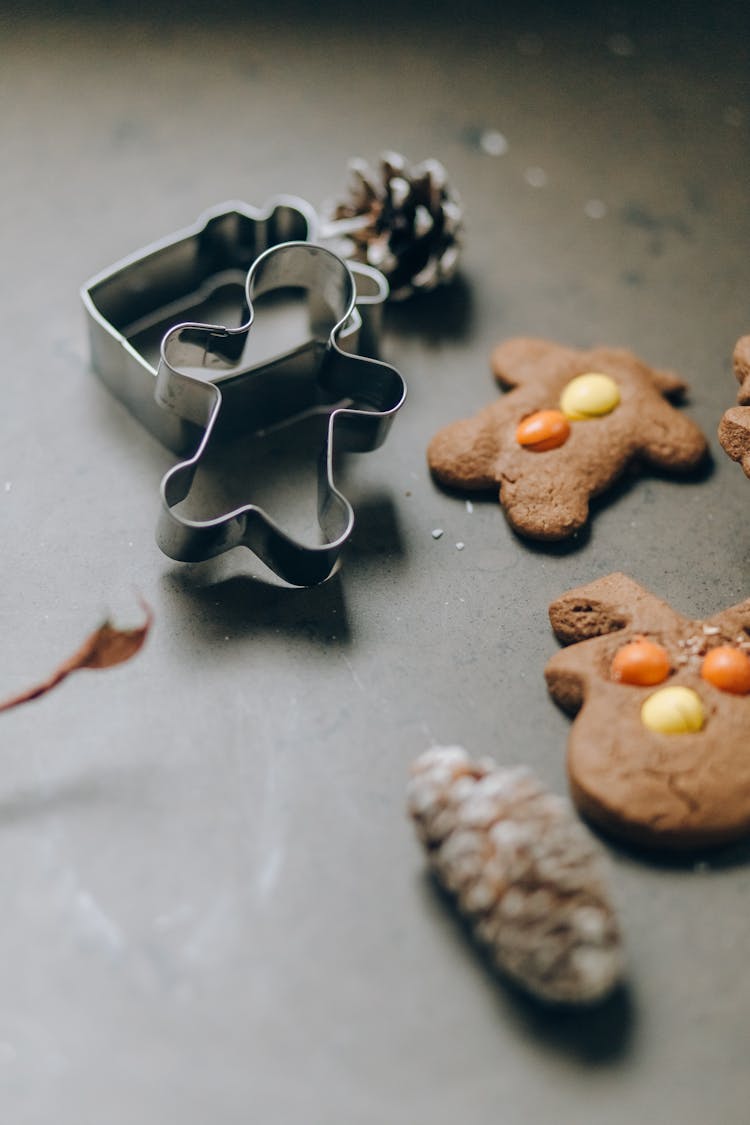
(493, 143)
(595, 208)
(437, 533)
(535, 177)
(530, 44)
(621, 45)
(460, 546)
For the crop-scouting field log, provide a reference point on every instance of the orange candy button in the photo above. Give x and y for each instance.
(546, 429)
(727, 668)
(640, 662)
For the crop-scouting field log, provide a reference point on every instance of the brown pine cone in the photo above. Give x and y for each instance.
(524, 873)
(410, 222)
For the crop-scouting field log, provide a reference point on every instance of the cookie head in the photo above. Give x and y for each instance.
(734, 428)
(657, 753)
(570, 424)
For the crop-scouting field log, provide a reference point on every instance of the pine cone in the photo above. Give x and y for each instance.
(524, 873)
(411, 226)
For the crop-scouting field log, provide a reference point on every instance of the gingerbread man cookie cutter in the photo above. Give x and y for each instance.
(207, 380)
(656, 756)
(150, 295)
(130, 305)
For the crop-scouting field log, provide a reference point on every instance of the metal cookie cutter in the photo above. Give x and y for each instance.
(199, 273)
(211, 387)
(208, 382)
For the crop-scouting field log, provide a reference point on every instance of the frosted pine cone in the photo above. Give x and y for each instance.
(404, 220)
(524, 872)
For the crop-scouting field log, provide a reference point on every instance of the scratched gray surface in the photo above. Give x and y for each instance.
(213, 908)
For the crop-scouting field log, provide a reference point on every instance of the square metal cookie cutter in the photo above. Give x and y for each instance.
(131, 305)
(205, 389)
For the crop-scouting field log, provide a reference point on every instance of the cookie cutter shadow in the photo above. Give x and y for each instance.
(222, 605)
(595, 1035)
(244, 591)
(444, 313)
(233, 597)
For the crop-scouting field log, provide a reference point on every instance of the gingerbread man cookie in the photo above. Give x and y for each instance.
(573, 421)
(734, 428)
(658, 752)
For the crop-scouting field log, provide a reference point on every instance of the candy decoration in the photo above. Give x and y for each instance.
(589, 396)
(546, 429)
(641, 662)
(728, 669)
(523, 871)
(673, 710)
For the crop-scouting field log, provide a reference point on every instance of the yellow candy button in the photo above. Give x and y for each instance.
(673, 710)
(589, 396)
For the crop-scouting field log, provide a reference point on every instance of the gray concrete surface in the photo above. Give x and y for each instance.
(213, 907)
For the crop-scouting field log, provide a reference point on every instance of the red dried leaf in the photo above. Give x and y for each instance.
(103, 649)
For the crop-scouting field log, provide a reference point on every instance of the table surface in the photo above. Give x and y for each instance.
(214, 906)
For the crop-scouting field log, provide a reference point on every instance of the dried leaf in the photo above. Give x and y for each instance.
(104, 648)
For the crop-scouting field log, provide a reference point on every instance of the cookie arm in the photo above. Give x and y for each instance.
(669, 440)
(668, 383)
(566, 682)
(463, 454)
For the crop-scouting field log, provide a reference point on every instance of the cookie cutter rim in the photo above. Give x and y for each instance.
(199, 402)
(161, 265)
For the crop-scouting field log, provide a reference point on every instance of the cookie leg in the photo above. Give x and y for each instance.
(549, 509)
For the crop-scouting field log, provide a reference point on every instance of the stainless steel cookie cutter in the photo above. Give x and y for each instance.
(205, 380)
(203, 267)
(208, 387)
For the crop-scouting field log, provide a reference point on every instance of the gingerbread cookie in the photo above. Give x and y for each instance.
(573, 421)
(734, 428)
(658, 752)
